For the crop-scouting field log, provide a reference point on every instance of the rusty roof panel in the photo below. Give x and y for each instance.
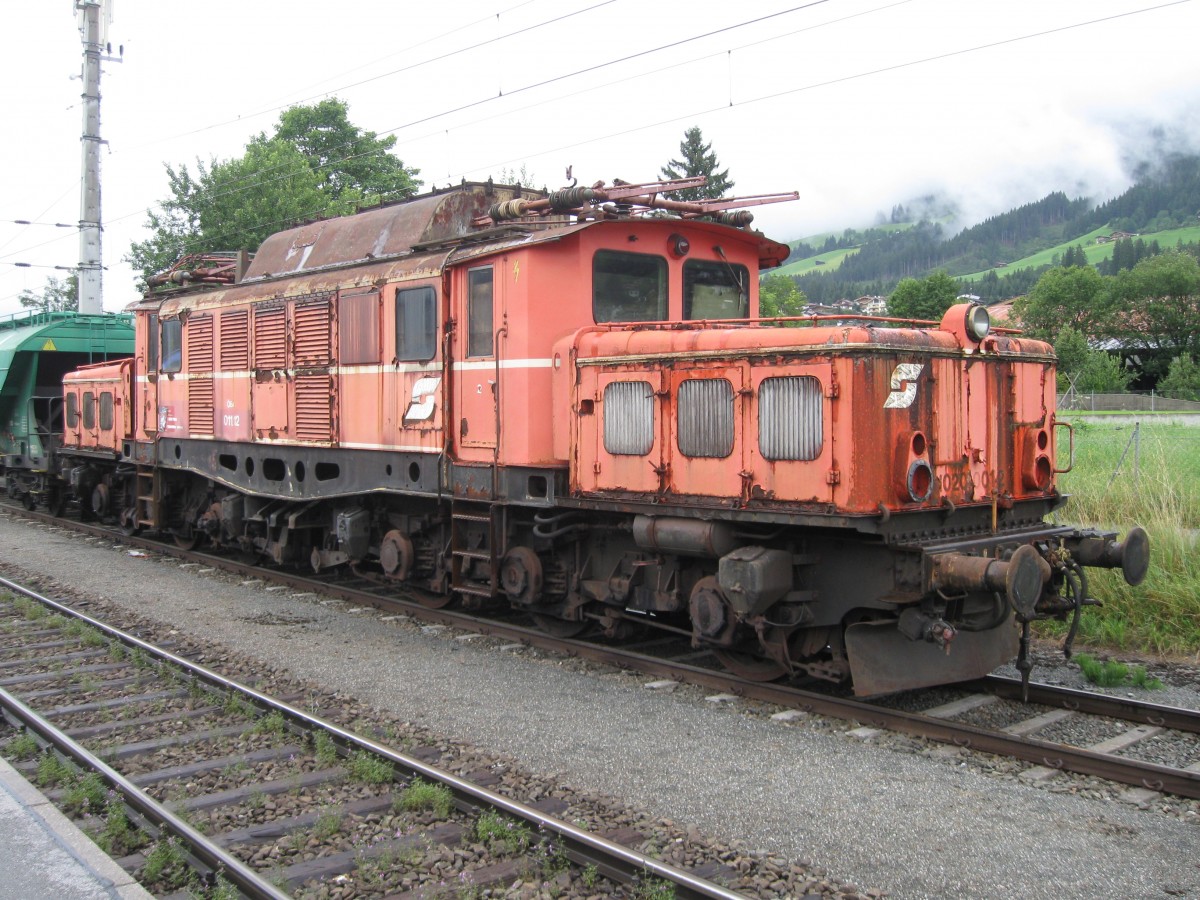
(386, 232)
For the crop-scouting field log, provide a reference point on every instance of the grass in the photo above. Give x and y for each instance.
(1115, 674)
(368, 768)
(421, 795)
(1116, 484)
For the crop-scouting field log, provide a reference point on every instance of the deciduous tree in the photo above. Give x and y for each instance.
(57, 295)
(317, 163)
(923, 298)
(1064, 298)
(779, 296)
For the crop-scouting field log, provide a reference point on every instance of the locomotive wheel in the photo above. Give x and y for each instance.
(186, 540)
(749, 666)
(433, 601)
(56, 503)
(129, 524)
(29, 501)
(559, 628)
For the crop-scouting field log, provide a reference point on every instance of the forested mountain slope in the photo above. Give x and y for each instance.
(1164, 197)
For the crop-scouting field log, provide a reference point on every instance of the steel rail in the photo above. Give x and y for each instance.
(198, 846)
(1174, 717)
(611, 859)
(1042, 753)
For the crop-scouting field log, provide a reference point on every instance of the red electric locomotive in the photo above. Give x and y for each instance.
(564, 403)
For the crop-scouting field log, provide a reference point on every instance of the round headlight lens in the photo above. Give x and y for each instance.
(979, 323)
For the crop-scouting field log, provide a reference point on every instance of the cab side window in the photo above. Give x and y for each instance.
(89, 410)
(479, 312)
(416, 324)
(72, 410)
(172, 345)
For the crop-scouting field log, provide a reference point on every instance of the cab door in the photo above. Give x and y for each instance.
(477, 369)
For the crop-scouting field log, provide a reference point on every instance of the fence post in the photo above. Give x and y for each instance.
(1137, 451)
(1151, 399)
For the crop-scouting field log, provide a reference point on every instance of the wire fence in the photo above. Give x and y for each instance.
(1135, 401)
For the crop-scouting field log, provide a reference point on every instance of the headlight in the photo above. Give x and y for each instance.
(979, 323)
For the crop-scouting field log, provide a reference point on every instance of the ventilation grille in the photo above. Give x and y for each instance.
(270, 338)
(706, 417)
(200, 406)
(200, 343)
(235, 341)
(312, 330)
(313, 409)
(629, 417)
(789, 418)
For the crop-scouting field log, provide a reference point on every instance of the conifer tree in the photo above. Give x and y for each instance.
(697, 158)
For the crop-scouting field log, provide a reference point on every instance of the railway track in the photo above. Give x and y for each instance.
(194, 781)
(1024, 731)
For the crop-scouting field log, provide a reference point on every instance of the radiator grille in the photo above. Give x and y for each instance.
(270, 338)
(705, 417)
(311, 343)
(235, 341)
(313, 409)
(789, 418)
(629, 417)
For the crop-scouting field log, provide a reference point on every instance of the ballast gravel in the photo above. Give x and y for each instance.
(887, 813)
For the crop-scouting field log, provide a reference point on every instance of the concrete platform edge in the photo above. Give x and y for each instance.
(64, 833)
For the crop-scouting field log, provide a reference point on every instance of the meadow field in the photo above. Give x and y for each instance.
(1148, 477)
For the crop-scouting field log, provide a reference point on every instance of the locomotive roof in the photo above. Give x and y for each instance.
(419, 224)
(410, 238)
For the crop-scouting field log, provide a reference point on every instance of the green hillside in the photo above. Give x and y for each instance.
(1097, 253)
(1003, 256)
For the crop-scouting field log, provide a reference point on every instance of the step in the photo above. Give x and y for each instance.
(474, 554)
(470, 517)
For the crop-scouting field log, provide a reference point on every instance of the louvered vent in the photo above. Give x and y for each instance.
(629, 417)
(200, 387)
(312, 331)
(235, 341)
(706, 417)
(200, 343)
(270, 338)
(789, 418)
(313, 397)
(200, 406)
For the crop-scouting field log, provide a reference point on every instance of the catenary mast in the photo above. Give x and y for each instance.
(94, 16)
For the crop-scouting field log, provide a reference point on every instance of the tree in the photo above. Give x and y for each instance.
(316, 164)
(58, 295)
(923, 298)
(1102, 373)
(1090, 371)
(349, 163)
(1183, 379)
(779, 296)
(1065, 298)
(697, 159)
(1158, 304)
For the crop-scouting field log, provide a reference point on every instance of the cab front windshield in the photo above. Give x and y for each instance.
(715, 290)
(628, 287)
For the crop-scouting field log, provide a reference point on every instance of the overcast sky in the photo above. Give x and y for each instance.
(856, 104)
